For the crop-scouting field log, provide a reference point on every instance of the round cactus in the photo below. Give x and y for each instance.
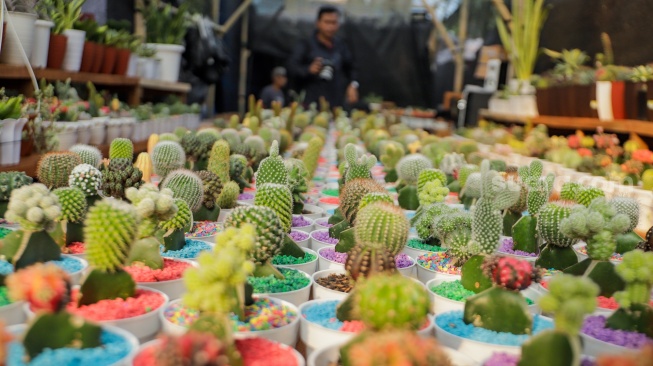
(569, 298)
(166, 157)
(256, 145)
(432, 192)
(12, 180)
(382, 225)
(73, 204)
(182, 220)
(428, 175)
(352, 194)
(410, 166)
(279, 198)
(87, 178)
(448, 220)
(365, 261)
(219, 160)
(168, 136)
(451, 163)
(272, 168)
(358, 167)
(110, 230)
(212, 188)
(269, 232)
(229, 195)
(587, 195)
(548, 224)
(392, 302)
(89, 154)
(192, 146)
(54, 168)
(33, 207)
(375, 197)
(185, 185)
(570, 191)
(628, 207)
(120, 175)
(121, 148)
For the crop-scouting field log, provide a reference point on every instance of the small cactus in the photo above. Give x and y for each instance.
(187, 186)
(182, 219)
(89, 154)
(279, 198)
(548, 224)
(33, 207)
(391, 153)
(352, 194)
(144, 164)
(219, 160)
(374, 197)
(628, 207)
(272, 168)
(429, 175)
(166, 157)
(451, 163)
(410, 166)
(433, 192)
(212, 188)
(54, 168)
(120, 175)
(358, 167)
(229, 196)
(121, 148)
(73, 204)
(587, 195)
(570, 191)
(297, 183)
(12, 180)
(238, 170)
(382, 225)
(312, 155)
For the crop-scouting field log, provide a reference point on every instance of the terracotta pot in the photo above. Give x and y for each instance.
(98, 60)
(88, 57)
(110, 55)
(544, 105)
(635, 98)
(619, 99)
(122, 61)
(58, 45)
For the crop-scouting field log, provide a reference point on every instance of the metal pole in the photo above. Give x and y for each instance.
(210, 96)
(244, 57)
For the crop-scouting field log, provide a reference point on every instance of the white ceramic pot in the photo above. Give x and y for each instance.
(174, 289)
(594, 347)
(72, 61)
(326, 264)
(425, 275)
(20, 35)
(316, 336)
(76, 277)
(315, 212)
(98, 130)
(413, 253)
(114, 129)
(322, 293)
(319, 223)
(296, 297)
(67, 134)
(13, 313)
(408, 271)
(308, 228)
(604, 100)
(478, 351)
(327, 207)
(308, 268)
(193, 121)
(170, 56)
(316, 245)
(84, 132)
(41, 44)
(18, 330)
(303, 243)
(224, 213)
(133, 64)
(127, 128)
(10, 138)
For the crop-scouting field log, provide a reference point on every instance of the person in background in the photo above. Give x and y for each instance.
(323, 64)
(274, 91)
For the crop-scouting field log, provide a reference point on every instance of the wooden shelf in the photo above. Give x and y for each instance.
(641, 128)
(164, 85)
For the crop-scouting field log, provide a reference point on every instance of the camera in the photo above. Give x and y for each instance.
(326, 73)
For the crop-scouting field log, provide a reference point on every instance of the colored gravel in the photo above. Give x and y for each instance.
(114, 347)
(172, 270)
(75, 248)
(439, 262)
(401, 260)
(300, 221)
(4, 232)
(453, 323)
(142, 302)
(582, 249)
(416, 243)
(331, 192)
(505, 359)
(507, 246)
(323, 223)
(262, 352)
(191, 250)
(245, 197)
(68, 264)
(549, 272)
(330, 200)
(298, 236)
(594, 326)
(4, 296)
(336, 282)
(203, 229)
(288, 260)
(454, 290)
(293, 280)
(323, 236)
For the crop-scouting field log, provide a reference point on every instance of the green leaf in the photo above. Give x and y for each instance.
(346, 241)
(408, 198)
(106, 286)
(60, 330)
(40, 248)
(291, 248)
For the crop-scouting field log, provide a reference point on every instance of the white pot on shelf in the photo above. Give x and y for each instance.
(23, 24)
(84, 132)
(10, 138)
(72, 61)
(41, 44)
(170, 56)
(133, 65)
(604, 100)
(114, 129)
(98, 130)
(66, 134)
(127, 128)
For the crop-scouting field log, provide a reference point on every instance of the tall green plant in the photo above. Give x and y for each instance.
(64, 13)
(164, 23)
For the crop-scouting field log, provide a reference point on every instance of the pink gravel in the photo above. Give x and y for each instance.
(142, 302)
(172, 270)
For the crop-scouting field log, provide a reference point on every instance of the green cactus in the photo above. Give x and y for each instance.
(279, 198)
(232, 137)
(89, 154)
(169, 137)
(166, 157)
(180, 131)
(297, 183)
(391, 152)
(428, 175)
(410, 166)
(432, 192)
(628, 207)
(234, 121)
(54, 168)
(238, 170)
(367, 262)
(185, 185)
(174, 237)
(120, 175)
(587, 195)
(312, 155)
(382, 225)
(374, 197)
(73, 210)
(514, 212)
(358, 167)
(524, 231)
(558, 253)
(570, 191)
(451, 163)
(229, 195)
(256, 145)
(8, 182)
(352, 194)
(209, 211)
(447, 221)
(121, 148)
(219, 160)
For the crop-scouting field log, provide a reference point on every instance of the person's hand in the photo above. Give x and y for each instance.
(352, 94)
(315, 66)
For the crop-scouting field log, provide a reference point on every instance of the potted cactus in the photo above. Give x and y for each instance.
(558, 252)
(54, 168)
(73, 210)
(209, 210)
(166, 157)
(297, 183)
(197, 147)
(312, 154)
(8, 182)
(88, 154)
(88, 180)
(390, 154)
(408, 170)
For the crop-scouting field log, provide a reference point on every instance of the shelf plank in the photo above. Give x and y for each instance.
(21, 73)
(164, 86)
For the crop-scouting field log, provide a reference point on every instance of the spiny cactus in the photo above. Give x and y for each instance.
(232, 138)
(272, 168)
(187, 186)
(144, 164)
(448, 221)
(219, 160)
(256, 145)
(628, 207)
(410, 166)
(12, 180)
(54, 168)
(87, 178)
(168, 137)
(570, 191)
(382, 225)
(120, 175)
(432, 192)
(279, 198)
(238, 170)
(374, 197)
(358, 167)
(352, 194)
(212, 188)
(89, 154)
(363, 261)
(451, 162)
(268, 232)
(181, 221)
(587, 195)
(312, 155)
(73, 204)
(121, 148)
(391, 153)
(229, 195)
(428, 175)
(166, 157)
(297, 183)
(548, 224)
(33, 207)
(465, 171)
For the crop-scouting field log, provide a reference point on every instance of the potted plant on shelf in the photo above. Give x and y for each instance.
(166, 29)
(636, 93)
(110, 39)
(147, 65)
(65, 13)
(610, 84)
(11, 127)
(41, 44)
(20, 26)
(91, 53)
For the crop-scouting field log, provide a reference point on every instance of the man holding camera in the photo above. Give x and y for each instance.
(323, 64)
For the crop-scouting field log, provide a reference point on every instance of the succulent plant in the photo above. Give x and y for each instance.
(219, 160)
(524, 232)
(548, 224)
(352, 194)
(587, 195)
(570, 191)
(451, 163)
(358, 167)
(232, 138)
(382, 225)
(185, 185)
(121, 148)
(272, 168)
(229, 196)
(166, 157)
(89, 154)
(10, 181)
(144, 164)
(73, 210)
(297, 183)
(33, 207)
(429, 175)
(391, 152)
(212, 188)
(279, 198)
(433, 192)
(182, 219)
(119, 175)
(374, 197)
(628, 207)
(168, 136)
(312, 155)
(54, 168)
(410, 166)
(87, 178)
(238, 170)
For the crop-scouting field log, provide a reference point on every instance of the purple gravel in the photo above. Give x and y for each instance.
(507, 245)
(324, 237)
(504, 359)
(594, 327)
(300, 221)
(401, 260)
(245, 196)
(323, 223)
(298, 235)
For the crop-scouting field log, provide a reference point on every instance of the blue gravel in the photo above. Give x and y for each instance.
(68, 264)
(114, 347)
(452, 322)
(324, 314)
(191, 250)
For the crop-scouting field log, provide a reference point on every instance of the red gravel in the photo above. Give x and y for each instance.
(143, 302)
(172, 270)
(76, 248)
(330, 200)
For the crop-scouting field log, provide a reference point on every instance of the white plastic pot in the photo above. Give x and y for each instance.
(72, 61)
(296, 297)
(316, 245)
(326, 264)
(98, 130)
(315, 212)
(478, 351)
(604, 100)
(13, 313)
(10, 137)
(308, 268)
(23, 24)
(425, 275)
(41, 44)
(66, 134)
(413, 253)
(316, 336)
(133, 64)
(322, 293)
(127, 128)
(114, 129)
(170, 57)
(174, 289)
(303, 243)
(408, 271)
(76, 277)
(308, 228)
(224, 213)
(594, 347)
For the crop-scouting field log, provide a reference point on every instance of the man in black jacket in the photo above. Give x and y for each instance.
(323, 64)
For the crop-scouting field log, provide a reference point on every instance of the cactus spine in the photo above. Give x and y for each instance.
(279, 198)
(89, 154)
(219, 160)
(358, 167)
(166, 157)
(54, 168)
(121, 148)
(187, 186)
(229, 195)
(312, 155)
(382, 225)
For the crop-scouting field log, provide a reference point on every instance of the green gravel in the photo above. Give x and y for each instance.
(331, 192)
(4, 296)
(4, 232)
(284, 260)
(418, 244)
(294, 280)
(454, 290)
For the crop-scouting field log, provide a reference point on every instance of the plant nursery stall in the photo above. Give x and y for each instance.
(135, 232)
